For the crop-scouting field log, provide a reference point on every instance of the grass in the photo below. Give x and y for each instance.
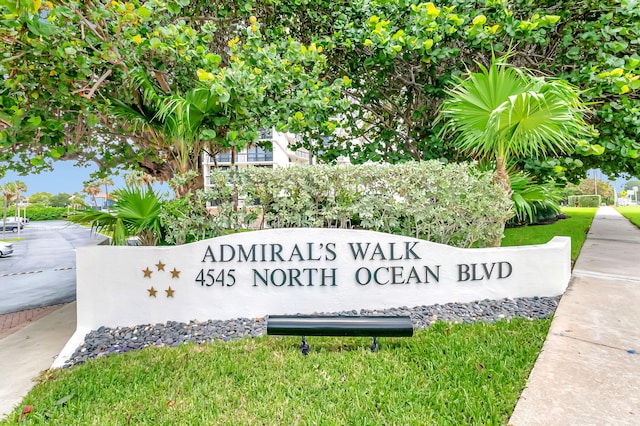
(11, 240)
(576, 227)
(449, 374)
(632, 213)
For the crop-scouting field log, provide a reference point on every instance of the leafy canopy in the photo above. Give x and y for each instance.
(64, 63)
(149, 85)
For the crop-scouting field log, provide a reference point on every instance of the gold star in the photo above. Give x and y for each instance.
(175, 273)
(152, 292)
(170, 292)
(160, 265)
(147, 272)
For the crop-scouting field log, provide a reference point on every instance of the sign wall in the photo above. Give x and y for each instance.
(288, 271)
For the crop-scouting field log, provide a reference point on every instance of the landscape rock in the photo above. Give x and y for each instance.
(107, 341)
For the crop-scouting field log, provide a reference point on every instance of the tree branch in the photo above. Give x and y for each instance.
(91, 26)
(18, 56)
(101, 80)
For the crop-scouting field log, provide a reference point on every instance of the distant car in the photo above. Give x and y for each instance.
(10, 226)
(17, 219)
(5, 249)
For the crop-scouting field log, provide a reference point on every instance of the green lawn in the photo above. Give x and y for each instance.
(449, 374)
(576, 227)
(632, 213)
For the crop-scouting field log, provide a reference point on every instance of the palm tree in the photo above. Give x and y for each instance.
(135, 212)
(139, 178)
(8, 192)
(503, 113)
(106, 182)
(92, 190)
(532, 198)
(20, 186)
(174, 125)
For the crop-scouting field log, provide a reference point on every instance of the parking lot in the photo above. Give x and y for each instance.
(41, 270)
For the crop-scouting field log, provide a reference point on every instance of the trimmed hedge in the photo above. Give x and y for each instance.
(585, 200)
(36, 212)
(455, 204)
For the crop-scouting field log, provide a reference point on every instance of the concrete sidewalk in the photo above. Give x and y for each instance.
(588, 372)
(30, 350)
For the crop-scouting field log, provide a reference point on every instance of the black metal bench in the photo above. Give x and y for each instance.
(310, 325)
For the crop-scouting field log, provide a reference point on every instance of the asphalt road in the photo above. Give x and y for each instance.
(42, 269)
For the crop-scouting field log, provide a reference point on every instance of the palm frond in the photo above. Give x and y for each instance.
(184, 115)
(503, 112)
(150, 95)
(135, 212)
(102, 223)
(531, 197)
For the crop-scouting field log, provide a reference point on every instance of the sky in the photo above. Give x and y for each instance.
(68, 179)
(65, 178)
(617, 184)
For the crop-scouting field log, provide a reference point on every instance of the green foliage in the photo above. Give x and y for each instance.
(452, 204)
(631, 183)
(69, 71)
(448, 374)
(585, 200)
(405, 53)
(39, 212)
(532, 200)
(135, 214)
(145, 86)
(400, 56)
(40, 198)
(60, 200)
(600, 54)
(506, 113)
(503, 114)
(203, 214)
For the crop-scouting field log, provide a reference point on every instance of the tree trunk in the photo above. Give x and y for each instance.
(503, 176)
(18, 212)
(504, 182)
(4, 217)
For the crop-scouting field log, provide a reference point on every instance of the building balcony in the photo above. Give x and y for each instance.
(244, 157)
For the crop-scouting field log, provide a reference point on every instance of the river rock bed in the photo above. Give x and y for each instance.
(105, 341)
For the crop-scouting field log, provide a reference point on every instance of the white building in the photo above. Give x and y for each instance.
(254, 155)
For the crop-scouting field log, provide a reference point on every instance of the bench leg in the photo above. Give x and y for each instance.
(374, 347)
(304, 347)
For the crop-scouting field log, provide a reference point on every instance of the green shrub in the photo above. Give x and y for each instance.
(545, 213)
(205, 214)
(454, 204)
(585, 200)
(533, 201)
(36, 212)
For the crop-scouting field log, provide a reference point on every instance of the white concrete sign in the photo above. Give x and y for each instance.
(288, 271)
